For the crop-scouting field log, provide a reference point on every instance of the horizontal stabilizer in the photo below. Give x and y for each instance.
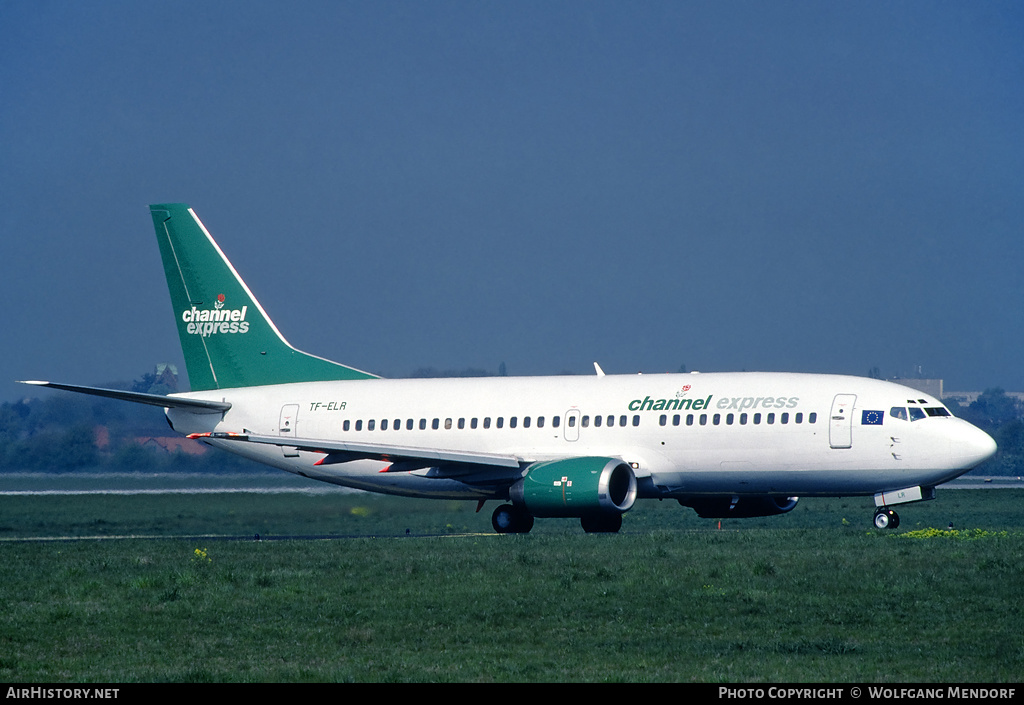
(199, 406)
(342, 452)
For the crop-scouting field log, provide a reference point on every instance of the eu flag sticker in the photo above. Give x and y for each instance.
(872, 418)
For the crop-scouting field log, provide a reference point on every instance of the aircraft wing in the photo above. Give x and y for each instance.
(403, 458)
(199, 406)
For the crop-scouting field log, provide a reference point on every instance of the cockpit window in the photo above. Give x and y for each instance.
(917, 413)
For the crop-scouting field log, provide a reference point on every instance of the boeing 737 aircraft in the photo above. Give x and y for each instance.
(726, 444)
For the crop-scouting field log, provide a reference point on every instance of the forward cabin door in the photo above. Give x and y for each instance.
(286, 427)
(840, 421)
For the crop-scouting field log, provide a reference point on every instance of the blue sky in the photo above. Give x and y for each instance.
(807, 186)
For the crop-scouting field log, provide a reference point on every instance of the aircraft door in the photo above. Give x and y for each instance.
(840, 424)
(571, 430)
(286, 427)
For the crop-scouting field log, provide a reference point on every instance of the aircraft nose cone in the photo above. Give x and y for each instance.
(974, 446)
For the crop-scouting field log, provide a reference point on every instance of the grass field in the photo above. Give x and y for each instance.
(815, 595)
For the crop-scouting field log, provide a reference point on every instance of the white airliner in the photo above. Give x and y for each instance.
(726, 444)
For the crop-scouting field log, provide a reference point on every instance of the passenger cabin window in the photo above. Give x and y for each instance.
(912, 413)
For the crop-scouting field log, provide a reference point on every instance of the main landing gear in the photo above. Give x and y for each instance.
(510, 519)
(886, 518)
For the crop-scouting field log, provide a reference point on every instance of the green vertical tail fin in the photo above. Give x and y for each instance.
(227, 338)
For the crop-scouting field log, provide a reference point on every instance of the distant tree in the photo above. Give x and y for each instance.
(77, 448)
(133, 456)
(432, 372)
(62, 410)
(144, 383)
(150, 383)
(991, 409)
(955, 407)
(875, 373)
(1009, 458)
(1010, 438)
(12, 421)
(502, 370)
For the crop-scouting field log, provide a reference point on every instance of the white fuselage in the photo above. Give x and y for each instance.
(684, 434)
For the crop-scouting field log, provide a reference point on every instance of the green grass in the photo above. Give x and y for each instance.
(799, 598)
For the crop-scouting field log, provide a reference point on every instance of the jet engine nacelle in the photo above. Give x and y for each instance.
(733, 506)
(576, 487)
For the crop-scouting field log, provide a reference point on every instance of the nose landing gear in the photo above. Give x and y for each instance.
(886, 518)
